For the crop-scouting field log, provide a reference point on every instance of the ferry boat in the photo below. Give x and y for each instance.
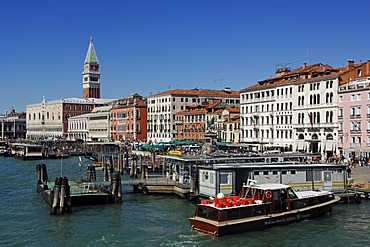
(4, 149)
(259, 206)
(27, 151)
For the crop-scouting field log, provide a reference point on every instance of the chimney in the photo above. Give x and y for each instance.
(368, 67)
(304, 65)
(350, 64)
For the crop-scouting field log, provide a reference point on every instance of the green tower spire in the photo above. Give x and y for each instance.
(91, 57)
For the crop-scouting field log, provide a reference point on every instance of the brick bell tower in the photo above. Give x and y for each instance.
(91, 74)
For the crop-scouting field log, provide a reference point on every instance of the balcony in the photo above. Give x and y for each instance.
(355, 131)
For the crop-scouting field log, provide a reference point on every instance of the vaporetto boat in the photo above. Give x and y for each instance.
(259, 206)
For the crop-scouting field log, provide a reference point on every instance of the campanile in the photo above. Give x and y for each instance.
(91, 74)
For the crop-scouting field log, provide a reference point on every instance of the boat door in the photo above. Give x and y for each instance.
(327, 181)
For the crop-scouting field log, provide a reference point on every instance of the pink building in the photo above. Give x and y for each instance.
(354, 117)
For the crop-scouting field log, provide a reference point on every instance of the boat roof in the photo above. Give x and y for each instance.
(26, 144)
(268, 186)
(270, 165)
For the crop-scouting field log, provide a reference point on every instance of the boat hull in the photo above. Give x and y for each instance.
(219, 229)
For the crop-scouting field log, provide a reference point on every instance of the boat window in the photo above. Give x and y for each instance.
(259, 210)
(275, 172)
(265, 172)
(246, 212)
(293, 172)
(250, 193)
(233, 214)
(202, 212)
(213, 214)
(291, 194)
(283, 172)
(256, 173)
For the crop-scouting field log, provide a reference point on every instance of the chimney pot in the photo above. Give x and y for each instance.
(350, 64)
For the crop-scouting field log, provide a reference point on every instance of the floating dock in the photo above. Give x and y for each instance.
(62, 194)
(82, 194)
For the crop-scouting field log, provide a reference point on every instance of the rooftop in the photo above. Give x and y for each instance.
(200, 92)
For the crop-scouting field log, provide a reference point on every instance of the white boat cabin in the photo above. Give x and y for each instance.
(228, 179)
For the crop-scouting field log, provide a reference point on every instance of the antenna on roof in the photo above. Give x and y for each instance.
(282, 68)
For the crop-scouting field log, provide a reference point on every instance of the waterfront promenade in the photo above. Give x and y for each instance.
(360, 174)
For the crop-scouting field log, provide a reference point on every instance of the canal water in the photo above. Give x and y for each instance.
(146, 220)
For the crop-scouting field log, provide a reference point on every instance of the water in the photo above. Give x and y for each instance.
(146, 220)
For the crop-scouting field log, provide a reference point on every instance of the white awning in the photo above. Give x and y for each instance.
(300, 146)
(329, 146)
(307, 147)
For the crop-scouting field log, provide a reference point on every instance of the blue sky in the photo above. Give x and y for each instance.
(151, 46)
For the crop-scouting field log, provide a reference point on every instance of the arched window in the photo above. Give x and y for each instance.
(331, 97)
(301, 137)
(318, 99)
(311, 99)
(329, 137)
(299, 100)
(327, 117)
(327, 98)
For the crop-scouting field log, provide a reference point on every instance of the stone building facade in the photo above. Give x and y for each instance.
(163, 106)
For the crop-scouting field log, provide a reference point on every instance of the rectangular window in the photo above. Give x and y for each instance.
(352, 97)
(358, 111)
(340, 98)
(352, 126)
(313, 176)
(340, 112)
(224, 178)
(358, 96)
(352, 111)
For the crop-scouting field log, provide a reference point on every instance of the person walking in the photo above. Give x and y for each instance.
(349, 171)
